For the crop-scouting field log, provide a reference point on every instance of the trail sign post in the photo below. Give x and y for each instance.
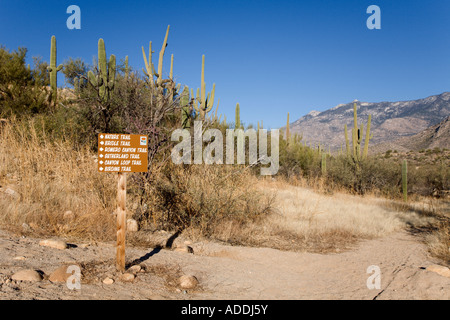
(122, 153)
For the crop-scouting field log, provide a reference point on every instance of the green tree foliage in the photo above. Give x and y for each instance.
(74, 69)
(21, 88)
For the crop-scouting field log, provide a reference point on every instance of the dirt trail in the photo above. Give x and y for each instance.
(227, 272)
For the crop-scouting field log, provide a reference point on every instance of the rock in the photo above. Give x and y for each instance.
(69, 215)
(27, 275)
(188, 282)
(108, 281)
(441, 270)
(26, 227)
(10, 192)
(184, 248)
(19, 258)
(134, 269)
(84, 245)
(127, 277)
(132, 225)
(57, 244)
(60, 274)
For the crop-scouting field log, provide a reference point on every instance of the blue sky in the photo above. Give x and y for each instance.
(272, 57)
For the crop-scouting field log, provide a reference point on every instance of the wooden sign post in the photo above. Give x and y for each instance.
(122, 153)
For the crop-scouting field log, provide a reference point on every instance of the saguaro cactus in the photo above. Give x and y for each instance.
(288, 134)
(206, 100)
(150, 68)
(53, 70)
(405, 180)
(368, 137)
(185, 109)
(104, 81)
(237, 117)
(357, 137)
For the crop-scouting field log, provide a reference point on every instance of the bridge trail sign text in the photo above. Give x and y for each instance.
(122, 152)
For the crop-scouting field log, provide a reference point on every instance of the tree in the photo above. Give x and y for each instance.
(21, 89)
(73, 69)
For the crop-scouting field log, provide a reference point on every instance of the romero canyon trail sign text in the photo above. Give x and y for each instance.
(122, 152)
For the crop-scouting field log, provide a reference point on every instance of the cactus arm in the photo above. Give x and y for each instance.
(171, 68)
(211, 102)
(92, 79)
(161, 56)
(111, 72)
(203, 85)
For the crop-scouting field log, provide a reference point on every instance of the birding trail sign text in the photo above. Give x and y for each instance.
(122, 152)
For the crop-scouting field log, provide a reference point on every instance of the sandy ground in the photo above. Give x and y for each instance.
(227, 272)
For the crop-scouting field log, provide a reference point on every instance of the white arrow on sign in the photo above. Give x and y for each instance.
(101, 156)
(101, 162)
(101, 142)
(101, 169)
(101, 137)
(101, 149)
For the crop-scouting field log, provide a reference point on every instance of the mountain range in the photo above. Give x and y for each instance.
(391, 121)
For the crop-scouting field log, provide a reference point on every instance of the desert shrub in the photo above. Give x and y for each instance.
(298, 160)
(369, 174)
(202, 197)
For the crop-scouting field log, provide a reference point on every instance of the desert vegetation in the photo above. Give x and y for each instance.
(319, 201)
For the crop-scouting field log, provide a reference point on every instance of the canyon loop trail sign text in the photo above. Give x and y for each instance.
(122, 152)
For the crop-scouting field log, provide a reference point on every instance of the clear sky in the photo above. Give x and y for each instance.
(272, 57)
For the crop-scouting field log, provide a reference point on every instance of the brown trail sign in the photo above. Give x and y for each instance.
(122, 153)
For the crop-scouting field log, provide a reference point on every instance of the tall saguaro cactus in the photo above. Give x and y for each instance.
(185, 109)
(405, 180)
(206, 100)
(104, 81)
(357, 137)
(53, 70)
(288, 134)
(237, 124)
(150, 68)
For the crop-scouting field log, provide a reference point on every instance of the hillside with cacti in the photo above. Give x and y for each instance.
(390, 120)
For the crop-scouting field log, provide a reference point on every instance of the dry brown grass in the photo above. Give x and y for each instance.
(48, 179)
(308, 220)
(218, 202)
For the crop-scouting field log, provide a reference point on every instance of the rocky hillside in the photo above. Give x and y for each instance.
(390, 120)
(437, 136)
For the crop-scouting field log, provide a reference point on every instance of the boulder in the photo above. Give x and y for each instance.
(27, 275)
(127, 277)
(188, 282)
(60, 274)
(440, 270)
(57, 244)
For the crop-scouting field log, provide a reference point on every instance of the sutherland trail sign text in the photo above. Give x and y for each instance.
(122, 152)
